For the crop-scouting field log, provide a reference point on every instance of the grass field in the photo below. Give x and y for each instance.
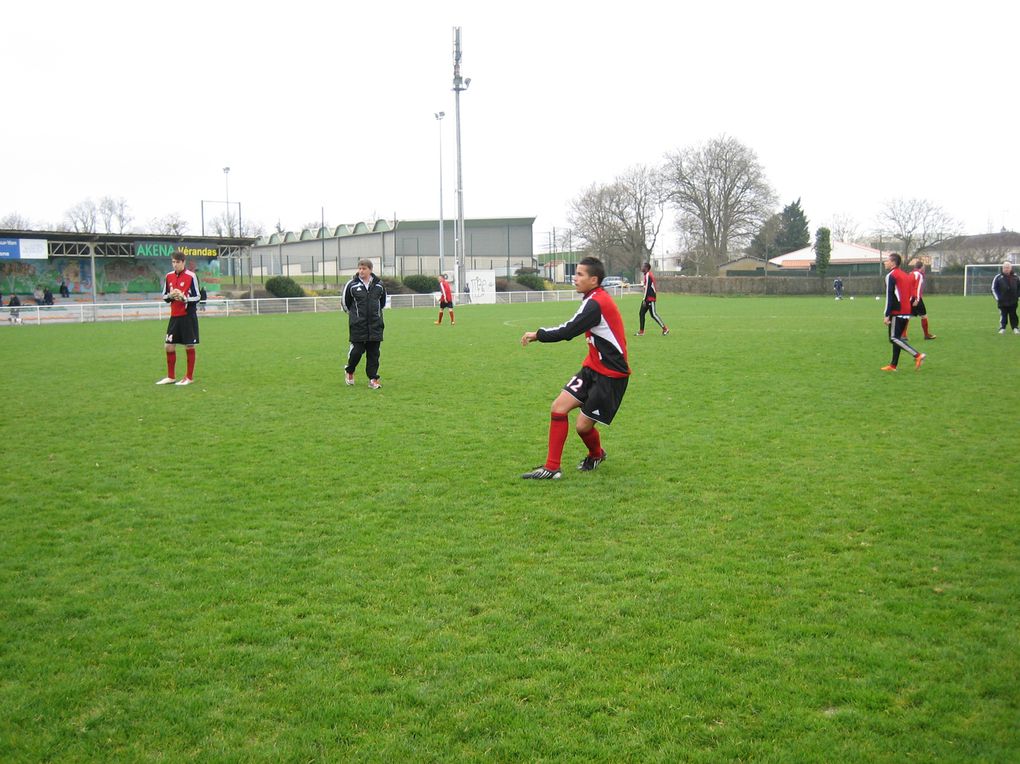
(788, 555)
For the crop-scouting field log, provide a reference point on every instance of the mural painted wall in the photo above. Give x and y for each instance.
(122, 275)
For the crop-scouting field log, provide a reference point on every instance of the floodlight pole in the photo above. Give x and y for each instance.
(439, 118)
(460, 84)
(226, 184)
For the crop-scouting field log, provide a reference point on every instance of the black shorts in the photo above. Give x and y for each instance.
(600, 396)
(444, 304)
(918, 309)
(182, 330)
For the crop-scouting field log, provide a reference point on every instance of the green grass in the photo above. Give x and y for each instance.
(788, 556)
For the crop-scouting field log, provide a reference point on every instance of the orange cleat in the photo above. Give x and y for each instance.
(888, 368)
(919, 360)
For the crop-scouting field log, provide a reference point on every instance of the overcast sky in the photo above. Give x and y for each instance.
(319, 105)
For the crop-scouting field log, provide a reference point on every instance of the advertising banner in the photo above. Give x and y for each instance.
(23, 249)
(165, 249)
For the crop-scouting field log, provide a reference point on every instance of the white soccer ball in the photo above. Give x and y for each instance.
(851, 297)
(877, 297)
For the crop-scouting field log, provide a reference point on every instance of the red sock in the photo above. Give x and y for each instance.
(440, 318)
(171, 363)
(451, 316)
(191, 362)
(594, 443)
(557, 437)
(924, 325)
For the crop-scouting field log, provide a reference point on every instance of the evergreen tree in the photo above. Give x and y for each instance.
(793, 233)
(763, 245)
(823, 249)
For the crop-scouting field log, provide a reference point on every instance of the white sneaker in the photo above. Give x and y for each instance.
(185, 381)
(1016, 331)
(374, 384)
(348, 378)
(1002, 331)
(166, 381)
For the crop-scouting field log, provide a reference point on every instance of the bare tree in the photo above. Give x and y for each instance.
(720, 190)
(15, 222)
(620, 222)
(114, 214)
(844, 228)
(82, 216)
(169, 225)
(694, 258)
(226, 225)
(918, 223)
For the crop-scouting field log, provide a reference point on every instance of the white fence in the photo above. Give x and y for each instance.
(134, 311)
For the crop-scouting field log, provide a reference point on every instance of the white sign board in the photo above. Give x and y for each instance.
(482, 286)
(34, 249)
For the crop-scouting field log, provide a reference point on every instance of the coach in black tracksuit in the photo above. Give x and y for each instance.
(1006, 289)
(363, 301)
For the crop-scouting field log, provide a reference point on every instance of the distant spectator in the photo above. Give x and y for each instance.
(37, 295)
(14, 316)
(64, 291)
(837, 287)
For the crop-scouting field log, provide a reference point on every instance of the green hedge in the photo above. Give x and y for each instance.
(284, 286)
(530, 280)
(421, 284)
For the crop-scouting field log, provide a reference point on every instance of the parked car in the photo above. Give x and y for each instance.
(614, 281)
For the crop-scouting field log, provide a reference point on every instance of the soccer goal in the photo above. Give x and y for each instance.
(977, 278)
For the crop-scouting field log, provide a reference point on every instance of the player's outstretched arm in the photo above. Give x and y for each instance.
(528, 337)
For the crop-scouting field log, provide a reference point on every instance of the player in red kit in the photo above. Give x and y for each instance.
(598, 388)
(899, 294)
(181, 290)
(648, 301)
(445, 299)
(918, 308)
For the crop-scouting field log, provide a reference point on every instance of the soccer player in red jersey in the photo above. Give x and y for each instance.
(598, 388)
(917, 305)
(899, 292)
(445, 299)
(648, 301)
(181, 290)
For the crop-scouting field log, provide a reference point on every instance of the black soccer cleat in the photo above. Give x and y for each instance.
(541, 473)
(591, 462)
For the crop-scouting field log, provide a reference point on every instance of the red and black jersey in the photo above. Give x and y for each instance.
(187, 282)
(899, 289)
(445, 293)
(599, 320)
(648, 282)
(918, 285)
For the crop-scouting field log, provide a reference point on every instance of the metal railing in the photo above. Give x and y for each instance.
(157, 309)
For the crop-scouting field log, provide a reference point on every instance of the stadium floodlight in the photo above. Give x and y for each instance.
(226, 188)
(439, 118)
(459, 85)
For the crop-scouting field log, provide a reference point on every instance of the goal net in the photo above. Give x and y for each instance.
(977, 278)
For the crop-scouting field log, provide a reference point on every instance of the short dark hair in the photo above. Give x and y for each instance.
(177, 255)
(895, 257)
(595, 268)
